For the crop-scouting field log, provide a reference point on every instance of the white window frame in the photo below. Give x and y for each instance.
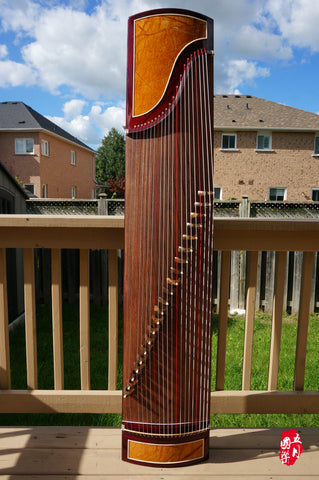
(73, 192)
(316, 146)
(278, 188)
(314, 190)
(220, 192)
(44, 190)
(229, 135)
(45, 148)
(264, 135)
(24, 143)
(73, 157)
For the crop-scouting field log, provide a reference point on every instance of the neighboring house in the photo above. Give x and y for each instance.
(13, 200)
(48, 161)
(265, 150)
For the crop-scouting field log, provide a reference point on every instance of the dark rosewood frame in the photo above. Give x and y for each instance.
(141, 122)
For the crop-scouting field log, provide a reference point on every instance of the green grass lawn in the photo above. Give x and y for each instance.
(262, 334)
(99, 342)
(71, 341)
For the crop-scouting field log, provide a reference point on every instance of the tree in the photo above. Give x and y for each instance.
(110, 159)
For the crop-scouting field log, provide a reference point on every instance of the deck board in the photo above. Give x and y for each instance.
(85, 453)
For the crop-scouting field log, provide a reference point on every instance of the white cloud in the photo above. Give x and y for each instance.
(254, 43)
(3, 51)
(297, 21)
(16, 74)
(70, 47)
(19, 15)
(92, 126)
(78, 50)
(239, 72)
(113, 116)
(73, 108)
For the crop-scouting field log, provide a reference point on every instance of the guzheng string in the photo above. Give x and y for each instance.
(171, 180)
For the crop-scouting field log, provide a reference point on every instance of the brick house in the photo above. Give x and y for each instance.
(265, 150)
(49, 161)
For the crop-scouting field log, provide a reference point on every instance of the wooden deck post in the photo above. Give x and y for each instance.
(279, 290)
(5, 380)
(56, 289)
(222, 322)
(303, 320)
(85, 319)
(113, 319)
(30, 319)
(250, 319)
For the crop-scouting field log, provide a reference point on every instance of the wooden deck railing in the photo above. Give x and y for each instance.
(96, 232)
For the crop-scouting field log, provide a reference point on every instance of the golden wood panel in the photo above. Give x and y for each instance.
(154, 40)
(161, 453)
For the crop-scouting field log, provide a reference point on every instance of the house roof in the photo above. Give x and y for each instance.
(18, 116)
(248, 112)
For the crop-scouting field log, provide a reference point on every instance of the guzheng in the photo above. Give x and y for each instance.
(168, 238)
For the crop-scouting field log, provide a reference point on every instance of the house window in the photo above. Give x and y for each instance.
(73, 192)
(316, 152)
(277, 193)
(72, 157)
(229, 142)
(24, 146)
(45, 147)
(315, 194)
(29, 187)
(44, 191)
(264, 141)
(217, 193)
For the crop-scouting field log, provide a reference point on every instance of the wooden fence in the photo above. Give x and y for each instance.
(70, 274)
(266, 260)
(238, 277)
(93, 232)
(266, 281)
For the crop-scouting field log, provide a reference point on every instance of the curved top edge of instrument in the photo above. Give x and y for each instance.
(158, 44)
(164, 11)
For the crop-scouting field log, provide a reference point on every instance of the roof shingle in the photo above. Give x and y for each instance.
(247, 111)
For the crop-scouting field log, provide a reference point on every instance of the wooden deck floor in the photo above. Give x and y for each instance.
(58, 453)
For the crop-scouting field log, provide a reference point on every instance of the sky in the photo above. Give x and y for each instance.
(67, 58)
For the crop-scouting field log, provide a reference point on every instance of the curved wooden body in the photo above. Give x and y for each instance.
(168, 243)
